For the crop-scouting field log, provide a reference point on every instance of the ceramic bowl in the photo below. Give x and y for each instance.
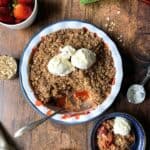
(26, 23)
(140, 138)
(70, 118)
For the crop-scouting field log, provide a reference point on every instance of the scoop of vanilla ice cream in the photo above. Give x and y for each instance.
(60, 66)
(121, 126)
(83, 58)
(67, 51)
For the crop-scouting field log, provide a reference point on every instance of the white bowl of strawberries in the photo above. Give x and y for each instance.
(18, 14)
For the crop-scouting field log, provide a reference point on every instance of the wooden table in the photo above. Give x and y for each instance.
(127, 22)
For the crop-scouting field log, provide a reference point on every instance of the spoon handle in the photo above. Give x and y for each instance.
(33, 125)
(147, 77)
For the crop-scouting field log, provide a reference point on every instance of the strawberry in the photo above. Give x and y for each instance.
(4, 11)
(4, 2)
(28, 2)
(7, 19)
(22, 11)
(18, 21)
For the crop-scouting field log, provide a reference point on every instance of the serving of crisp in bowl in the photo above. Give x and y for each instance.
(71, 59)
(118, 131)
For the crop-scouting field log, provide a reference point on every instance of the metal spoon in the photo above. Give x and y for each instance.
(34, 124)
(136, 92)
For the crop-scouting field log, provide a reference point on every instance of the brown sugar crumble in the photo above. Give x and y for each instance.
(97, 80)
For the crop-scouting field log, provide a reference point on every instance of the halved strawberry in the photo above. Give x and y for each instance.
(25, 1)
(7, 19)
(4, 2)
(18, 21)
(22, 11)
(4, 11)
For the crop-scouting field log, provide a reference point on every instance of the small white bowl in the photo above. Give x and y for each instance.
(26, 23)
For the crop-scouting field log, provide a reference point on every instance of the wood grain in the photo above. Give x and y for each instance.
(131, 22)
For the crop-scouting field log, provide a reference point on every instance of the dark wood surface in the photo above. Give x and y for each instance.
(126, 21)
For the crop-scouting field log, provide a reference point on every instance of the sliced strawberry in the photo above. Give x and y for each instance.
(4, 11)
(25, 2)
(7, 19)
(103, 130)
(4, 2)
(22, 11)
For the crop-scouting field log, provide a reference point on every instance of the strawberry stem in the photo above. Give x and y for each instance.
(14, 3)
